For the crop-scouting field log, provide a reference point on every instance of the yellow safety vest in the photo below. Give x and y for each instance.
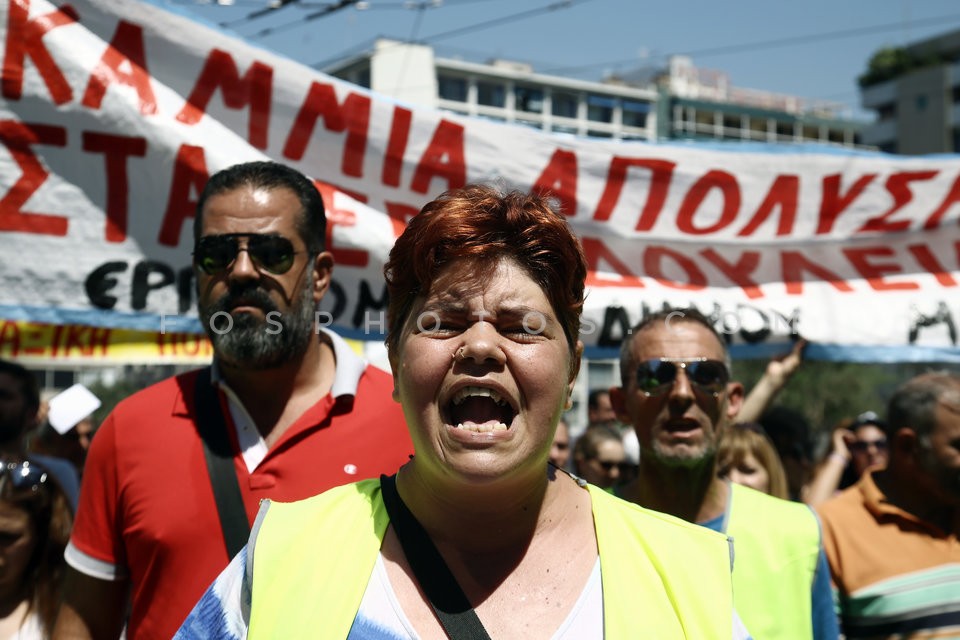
(776, 544)
(661, 577)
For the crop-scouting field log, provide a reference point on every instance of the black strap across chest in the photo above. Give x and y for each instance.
(449, 603)
(219, 455)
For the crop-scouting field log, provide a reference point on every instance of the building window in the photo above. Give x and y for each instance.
(705, 121)
(490, 94)
(363, 78)
(529, 99)
(564, 104)
(836, 135)
(599, 134)
(635, 113)
(785, 130)
(600, 108)
(758, 128)
(453, 88)
(921, 102)
(811, 132)
(732, 122)
(886, 112)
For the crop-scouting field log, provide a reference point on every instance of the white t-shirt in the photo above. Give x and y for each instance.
(381, 618)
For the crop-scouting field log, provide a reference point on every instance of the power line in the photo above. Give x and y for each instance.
(277, 5)
(273, 7)
(411, 4)
(771, 44)
(554, 6)
(336, 6)
(561, 4)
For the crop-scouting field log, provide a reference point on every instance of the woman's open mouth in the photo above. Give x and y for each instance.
(480, 410)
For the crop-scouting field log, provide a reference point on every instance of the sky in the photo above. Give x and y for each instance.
(814, 49)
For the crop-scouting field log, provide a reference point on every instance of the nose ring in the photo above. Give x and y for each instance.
(460, 354)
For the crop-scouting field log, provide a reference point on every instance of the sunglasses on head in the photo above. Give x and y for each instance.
(656, 377)
(868, 417)
(23, 475)
(215, 254)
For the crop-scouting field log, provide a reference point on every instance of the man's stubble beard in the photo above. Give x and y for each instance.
(256, 343)
(691, 458)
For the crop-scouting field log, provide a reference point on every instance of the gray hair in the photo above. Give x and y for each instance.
(914, 404)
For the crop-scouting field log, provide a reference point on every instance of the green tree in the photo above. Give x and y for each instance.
(891, 62)
(826, 392)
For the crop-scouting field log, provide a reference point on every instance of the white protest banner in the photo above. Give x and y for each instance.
(115, 112)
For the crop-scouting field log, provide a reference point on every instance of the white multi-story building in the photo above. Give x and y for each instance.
(680, 101)
(704, 105)
(504, 91)
(916, 97)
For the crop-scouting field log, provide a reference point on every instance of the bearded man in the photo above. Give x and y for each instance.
(286, 403)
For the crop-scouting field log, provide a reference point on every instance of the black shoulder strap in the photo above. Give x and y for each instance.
(219, 455)
(446, 597)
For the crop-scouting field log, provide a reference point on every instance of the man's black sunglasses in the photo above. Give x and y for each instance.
(215, 254)
(656, 377)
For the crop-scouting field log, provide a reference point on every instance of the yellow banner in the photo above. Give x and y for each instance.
(48, 344)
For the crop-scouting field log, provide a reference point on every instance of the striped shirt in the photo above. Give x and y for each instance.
(895, 574)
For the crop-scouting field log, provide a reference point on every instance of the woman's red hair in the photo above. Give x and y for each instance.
(483, 225)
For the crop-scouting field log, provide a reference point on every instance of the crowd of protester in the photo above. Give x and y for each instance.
(457, 474)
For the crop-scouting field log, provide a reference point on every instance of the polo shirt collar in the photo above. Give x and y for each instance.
(350, 366)
(877, 504)
(874, 499)
(346, 379)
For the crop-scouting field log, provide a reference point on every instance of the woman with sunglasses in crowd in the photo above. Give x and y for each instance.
(857, 444)
(34, 527)
(600, 458)
(477, 535)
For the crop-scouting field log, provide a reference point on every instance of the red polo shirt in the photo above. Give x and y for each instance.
(147, 509)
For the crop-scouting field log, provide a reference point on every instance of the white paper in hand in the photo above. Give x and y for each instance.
(70, 406)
